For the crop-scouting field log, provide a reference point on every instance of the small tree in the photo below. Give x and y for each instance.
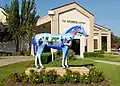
(115, 41)
(12, 21)
(20, 20)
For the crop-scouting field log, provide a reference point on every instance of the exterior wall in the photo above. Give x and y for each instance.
(60, 22)
(2, 16)
(66, 22)
(97, 35)
(102, 31)
(44, 28)
(89, 17)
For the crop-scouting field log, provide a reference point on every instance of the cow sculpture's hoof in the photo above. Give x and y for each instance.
(67, 66)
(42, 67)
(64, 67)
(38, 68)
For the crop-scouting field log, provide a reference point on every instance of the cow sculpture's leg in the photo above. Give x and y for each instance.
(66, 65)
(52, 54)
(64, 58)
(36, 58)
(40, 50)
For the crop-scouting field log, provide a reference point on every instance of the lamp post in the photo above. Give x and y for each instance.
(51, 13)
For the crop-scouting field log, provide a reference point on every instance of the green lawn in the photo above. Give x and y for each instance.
(108, 57)
(111, 71)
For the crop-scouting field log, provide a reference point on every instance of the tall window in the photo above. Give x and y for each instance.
(95, 44)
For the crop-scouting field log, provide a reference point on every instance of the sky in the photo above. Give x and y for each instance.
(106, 12)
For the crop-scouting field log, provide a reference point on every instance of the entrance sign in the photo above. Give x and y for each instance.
(73, 21)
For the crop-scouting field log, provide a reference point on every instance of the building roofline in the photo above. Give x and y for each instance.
(2, 8)
(70, 4)
(102, 26)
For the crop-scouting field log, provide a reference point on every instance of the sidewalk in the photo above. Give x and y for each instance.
(14, 59)
(108, 62)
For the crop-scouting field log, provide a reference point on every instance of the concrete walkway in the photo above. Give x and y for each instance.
(108, 62)
(14, 59)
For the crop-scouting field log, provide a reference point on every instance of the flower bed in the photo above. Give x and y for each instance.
(51, 77)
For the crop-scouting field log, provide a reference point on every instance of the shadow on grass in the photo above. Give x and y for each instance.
(83, 65)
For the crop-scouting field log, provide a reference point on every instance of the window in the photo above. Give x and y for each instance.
(95, 44)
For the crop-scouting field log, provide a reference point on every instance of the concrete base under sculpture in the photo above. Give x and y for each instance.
(60, 70)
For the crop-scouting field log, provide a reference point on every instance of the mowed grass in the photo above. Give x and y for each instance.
(112, 72)
(108, 57)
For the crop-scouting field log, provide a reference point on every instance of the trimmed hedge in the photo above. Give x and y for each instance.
(100, 51)
(9, 54)
(92, 54)
(46, 58)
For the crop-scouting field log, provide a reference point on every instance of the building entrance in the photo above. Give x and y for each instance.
(76, 46)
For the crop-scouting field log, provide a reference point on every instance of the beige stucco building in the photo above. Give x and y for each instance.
(64, 17)
(2, 16)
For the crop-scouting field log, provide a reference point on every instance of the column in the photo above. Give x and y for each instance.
(109, 42)
(99, 41)
(32, 52)
(82, 46)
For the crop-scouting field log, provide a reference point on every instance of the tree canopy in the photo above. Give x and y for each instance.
(20, 19)
(115, 40)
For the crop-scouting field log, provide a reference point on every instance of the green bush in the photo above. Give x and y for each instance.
(46, 58)
(51, 76)
(5, 54)
(92, 54)
(16, 54)
(95, 75)
(71, 54)
(100, 51)
(58, 54)
(25, 52)
(72, 77)
(60, 80)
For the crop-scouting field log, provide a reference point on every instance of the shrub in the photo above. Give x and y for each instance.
(95, 75)
(72, 77)
(16, 54)
(25, 52)
(15, 77)
(71, 54)
(100, 51)
(46, 58)
(5, 53)
(51, 76)
(58, 54)
(60, 80)
(92, 54)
